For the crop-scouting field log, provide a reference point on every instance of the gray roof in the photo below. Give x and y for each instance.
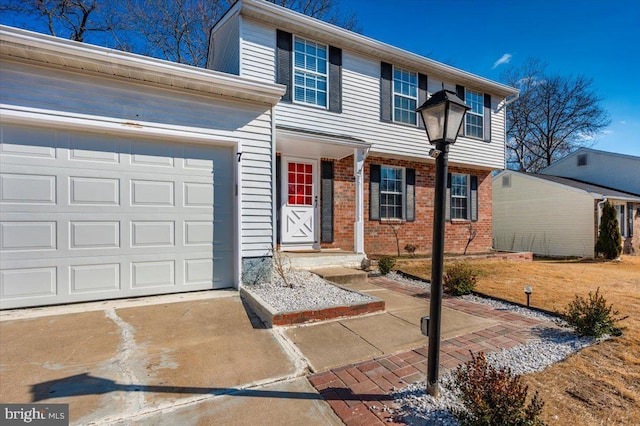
(589, 187)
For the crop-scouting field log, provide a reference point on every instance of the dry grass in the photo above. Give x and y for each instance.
(600, 385)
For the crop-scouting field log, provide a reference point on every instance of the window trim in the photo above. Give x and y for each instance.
(402, 193)
(467, 198)
(394, 93)
(470, 112)
(294, 68)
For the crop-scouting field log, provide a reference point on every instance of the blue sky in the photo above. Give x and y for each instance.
(599, 39)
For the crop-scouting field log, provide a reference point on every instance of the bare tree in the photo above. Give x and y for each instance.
(73, 19)
(176, 30)
(553, 116)
(325, 10)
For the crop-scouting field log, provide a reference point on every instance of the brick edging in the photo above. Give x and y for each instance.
(272, 318)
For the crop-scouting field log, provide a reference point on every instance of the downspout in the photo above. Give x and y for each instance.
(507, 102)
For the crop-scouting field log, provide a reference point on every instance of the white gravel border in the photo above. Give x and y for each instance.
(307, 291)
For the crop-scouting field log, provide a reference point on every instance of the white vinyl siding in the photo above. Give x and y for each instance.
(598, 169)
(360, 117)
(542, 217)
(49, 88)
(224, 53)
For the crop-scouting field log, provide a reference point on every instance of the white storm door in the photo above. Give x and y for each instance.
(299, 203)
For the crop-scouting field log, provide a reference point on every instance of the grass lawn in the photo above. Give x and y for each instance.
(600, 385)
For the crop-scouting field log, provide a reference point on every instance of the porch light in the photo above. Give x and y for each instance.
(442, 114)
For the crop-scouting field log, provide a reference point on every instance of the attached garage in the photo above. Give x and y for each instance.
(125, 176)
(87, 216)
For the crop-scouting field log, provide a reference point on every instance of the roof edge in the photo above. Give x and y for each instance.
(259, 9)
(16, 43)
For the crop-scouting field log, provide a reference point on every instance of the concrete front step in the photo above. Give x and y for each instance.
(340, 275)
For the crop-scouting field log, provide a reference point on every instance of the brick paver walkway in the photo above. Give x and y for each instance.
(360, 394)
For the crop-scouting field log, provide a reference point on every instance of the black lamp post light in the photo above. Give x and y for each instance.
(443, 115)
(528, 290)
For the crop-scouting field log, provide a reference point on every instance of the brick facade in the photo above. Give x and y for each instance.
(380, 234)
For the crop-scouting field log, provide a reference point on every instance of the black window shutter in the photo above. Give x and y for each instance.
(326, 207)
(410, 182)
(460, 94)
(386, 79)
(487, 117)
(374, 192)
(473, 198)
(335, 79)
(278, 198)
(447, 201)
(422, 95)
(283, 61)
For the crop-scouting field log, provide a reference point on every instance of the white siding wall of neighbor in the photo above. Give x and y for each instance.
(542, 217)
(360, 115)
(224, 54)
(621, 172)
(53, 89)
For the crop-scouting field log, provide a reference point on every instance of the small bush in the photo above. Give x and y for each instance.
(493, 397)
(411, 249)
(386, 264)
(609, 242)
(592, 316)
(459, 278)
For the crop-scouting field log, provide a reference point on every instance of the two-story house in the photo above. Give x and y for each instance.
(351, 157)
(123, 175)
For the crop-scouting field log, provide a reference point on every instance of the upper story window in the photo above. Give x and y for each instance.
(474, 120)
(405, 96)
(310, 73)
(459, 196)
(391, 192)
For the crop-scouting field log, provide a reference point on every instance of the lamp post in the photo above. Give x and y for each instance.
(442, 114)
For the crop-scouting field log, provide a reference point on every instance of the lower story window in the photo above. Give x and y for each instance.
(391, 192)
(459, 196)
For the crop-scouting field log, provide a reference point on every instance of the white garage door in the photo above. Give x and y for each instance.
(89, 217)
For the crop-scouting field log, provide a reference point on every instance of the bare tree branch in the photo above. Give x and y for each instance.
(553, 116)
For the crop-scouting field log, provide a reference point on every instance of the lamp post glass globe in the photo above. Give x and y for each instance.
(443, 115)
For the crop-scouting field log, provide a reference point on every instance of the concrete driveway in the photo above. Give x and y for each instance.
(196, 358)
(182, 359)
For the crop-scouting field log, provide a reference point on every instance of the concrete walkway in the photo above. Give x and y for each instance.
(202, 359)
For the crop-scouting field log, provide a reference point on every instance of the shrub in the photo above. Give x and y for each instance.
(609, 242)
(411, 249)
(459, 278)
(493, 397)
(592, 316)
(386, 264)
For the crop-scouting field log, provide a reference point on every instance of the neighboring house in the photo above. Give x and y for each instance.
(352, 158)
(124, 175)
(608, 169)
(557, 216)
(119, 174)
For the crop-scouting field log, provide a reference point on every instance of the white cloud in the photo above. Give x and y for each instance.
(504, 59)
(623, 122)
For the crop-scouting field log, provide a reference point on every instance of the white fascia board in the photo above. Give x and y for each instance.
(33, 46)
(12, 114)
(287, 19)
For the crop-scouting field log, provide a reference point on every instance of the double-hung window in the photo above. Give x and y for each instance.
(391, 192)
(405, 96)
(474, 118)
(459, 196)
(310, 72)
